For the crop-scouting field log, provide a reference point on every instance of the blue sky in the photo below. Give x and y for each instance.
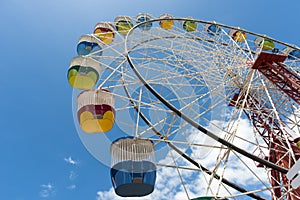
(40, 150)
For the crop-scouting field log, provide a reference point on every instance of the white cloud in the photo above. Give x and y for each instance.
(47, 190)
(71, 187)
(73, 175)
(71, 161)
(110, 194)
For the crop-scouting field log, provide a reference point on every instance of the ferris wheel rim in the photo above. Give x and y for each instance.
(211, 23)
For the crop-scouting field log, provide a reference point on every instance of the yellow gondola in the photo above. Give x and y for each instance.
(167, 22)
(83, 72)
(95, 111)
(237, 35)
(105, 31)
(123, 24)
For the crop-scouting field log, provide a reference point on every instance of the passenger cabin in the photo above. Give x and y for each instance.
(189, 25)
(264, 44)
(105, 31)
(123, 24)
(212, 29)
(237, 35)
(83, 72)
(88, 44)
(143, 18)
(133, 171)
(166, 21)
(292, 53)
(96, 113)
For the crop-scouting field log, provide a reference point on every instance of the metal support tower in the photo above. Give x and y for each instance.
(272, 67)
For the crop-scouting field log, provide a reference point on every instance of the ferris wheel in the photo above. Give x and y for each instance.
(165, 92)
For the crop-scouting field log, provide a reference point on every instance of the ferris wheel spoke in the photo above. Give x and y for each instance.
(116, 49)
(251, 171)
(116, 73)
(181, 179)
(187, 143)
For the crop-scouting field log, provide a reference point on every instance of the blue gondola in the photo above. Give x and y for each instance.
(133, 178)
(133, 172)
(88, 44)
(294, 54)
(143, 18)
(212, 29)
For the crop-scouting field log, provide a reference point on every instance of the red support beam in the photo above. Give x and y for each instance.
(267, 126)
(272, 67)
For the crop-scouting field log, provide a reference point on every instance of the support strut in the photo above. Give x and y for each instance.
(272, 67)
